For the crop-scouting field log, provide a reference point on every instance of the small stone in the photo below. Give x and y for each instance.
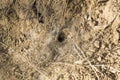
(99, 58)
(96, 44)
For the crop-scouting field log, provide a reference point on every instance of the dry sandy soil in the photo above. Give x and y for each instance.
(59, 39)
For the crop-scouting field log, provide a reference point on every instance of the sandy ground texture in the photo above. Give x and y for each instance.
(59, 39)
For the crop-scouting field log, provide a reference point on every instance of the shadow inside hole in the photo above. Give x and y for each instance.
(37, 13)
(61, 37)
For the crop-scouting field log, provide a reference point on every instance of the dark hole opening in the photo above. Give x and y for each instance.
(40, 18)
(96, 23)
(38, 14)
(61, 37)
(69, 1)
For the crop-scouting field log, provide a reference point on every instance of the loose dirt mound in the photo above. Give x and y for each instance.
(60, 40)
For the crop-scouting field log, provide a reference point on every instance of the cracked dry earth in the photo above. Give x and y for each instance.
(59, 39)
